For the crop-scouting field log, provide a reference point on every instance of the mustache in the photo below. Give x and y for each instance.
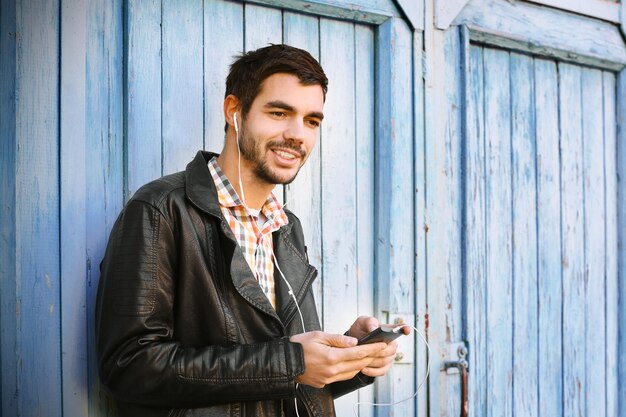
(287, 145)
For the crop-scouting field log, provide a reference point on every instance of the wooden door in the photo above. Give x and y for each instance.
(539, 202)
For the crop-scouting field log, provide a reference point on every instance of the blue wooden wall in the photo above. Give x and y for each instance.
(495, 151)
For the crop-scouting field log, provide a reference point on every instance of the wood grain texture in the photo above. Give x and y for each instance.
(419, 158)
(37, 210)
(304, 195)
(395, 250)
(621, 234)
(182, 93)
(364, 123)
(475, 228)
(369, 11)
(549, 292)
(143, 99)
(524, 213)
(105, 176)
(339, 185)
(9, 353)
(73, 303)
(573, 240)
(609, 88)
(498, 233)
(531, 28)
(223, 40)
(601, 9)
(595, 250)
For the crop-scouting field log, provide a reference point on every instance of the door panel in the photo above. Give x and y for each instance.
(540, 216)
(179, 53)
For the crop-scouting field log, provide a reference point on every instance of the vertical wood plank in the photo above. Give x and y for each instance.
(475, 225)
(498, 234)
(612, 251)
(223, 39)
(364, 150)
(37, 210)
(419, 157)
(572, 236)
(8, 209)
(621, 234)
(304, 196)
(143, 93)
(104, 140)
(8, 267)
(257, 21)
(595, 256)
(74, 323)
(262, 26)
(395, 250)
(550, 388)
(525, 327)
(183, 99)
(339, 185)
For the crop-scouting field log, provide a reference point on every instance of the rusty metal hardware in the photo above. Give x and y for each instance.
(462, 366)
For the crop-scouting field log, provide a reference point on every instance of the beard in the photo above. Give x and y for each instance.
(254, 153)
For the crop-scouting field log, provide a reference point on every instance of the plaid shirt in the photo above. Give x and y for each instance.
(255, 242)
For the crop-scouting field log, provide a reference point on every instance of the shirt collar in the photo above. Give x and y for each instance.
(228, 197)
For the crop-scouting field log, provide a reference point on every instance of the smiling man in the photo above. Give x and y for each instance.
(205, 305)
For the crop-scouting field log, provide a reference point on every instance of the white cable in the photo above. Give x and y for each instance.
(356, 405)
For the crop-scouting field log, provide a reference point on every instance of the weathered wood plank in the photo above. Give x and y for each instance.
(143, 93)
(304, 195)
(395, 250)
(257, 21)
(223, 39)
(421, 313)
(37, 208)
(104, 138)
(475, 228)
(182, 93)
(9, 353)
(446, 11)
(73, 303)
(612, 252)
(339, 182)
(498, 234)
(572, 240)
(595, 251)
(530, 28)
(548, 242)
(364, 122)
(621, 234)
(525, 318)
(452, 221)
(370, 11)
(601, 9)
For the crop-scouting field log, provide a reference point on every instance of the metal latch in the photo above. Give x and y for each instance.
(460, 366)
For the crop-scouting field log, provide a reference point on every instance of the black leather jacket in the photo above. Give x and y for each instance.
(182, 326)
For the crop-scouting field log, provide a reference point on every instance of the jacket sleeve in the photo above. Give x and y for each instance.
(138, 359)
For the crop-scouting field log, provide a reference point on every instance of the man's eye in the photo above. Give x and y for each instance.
(278, 113)
(314, 123)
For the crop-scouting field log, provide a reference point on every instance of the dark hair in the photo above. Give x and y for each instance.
(249, 70)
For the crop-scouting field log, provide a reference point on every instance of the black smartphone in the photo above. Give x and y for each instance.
(382, 334)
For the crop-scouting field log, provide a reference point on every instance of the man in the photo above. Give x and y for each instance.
(205, 305)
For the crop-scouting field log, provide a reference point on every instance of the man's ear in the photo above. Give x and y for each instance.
(232, 106)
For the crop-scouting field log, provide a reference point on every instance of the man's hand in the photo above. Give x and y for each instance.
(330, 358)
(383, 359)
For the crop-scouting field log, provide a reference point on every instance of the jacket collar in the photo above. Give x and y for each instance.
(199, 186)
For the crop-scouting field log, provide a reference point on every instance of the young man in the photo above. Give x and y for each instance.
(205, 305)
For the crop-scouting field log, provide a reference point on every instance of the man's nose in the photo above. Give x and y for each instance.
(295, 131)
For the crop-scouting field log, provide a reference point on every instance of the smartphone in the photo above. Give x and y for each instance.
(382, 334)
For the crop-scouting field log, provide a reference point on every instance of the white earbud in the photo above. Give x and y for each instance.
(235, 121)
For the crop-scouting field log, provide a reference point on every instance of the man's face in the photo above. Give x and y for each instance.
(281, 128)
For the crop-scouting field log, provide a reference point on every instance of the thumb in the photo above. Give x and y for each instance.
(341, 341)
